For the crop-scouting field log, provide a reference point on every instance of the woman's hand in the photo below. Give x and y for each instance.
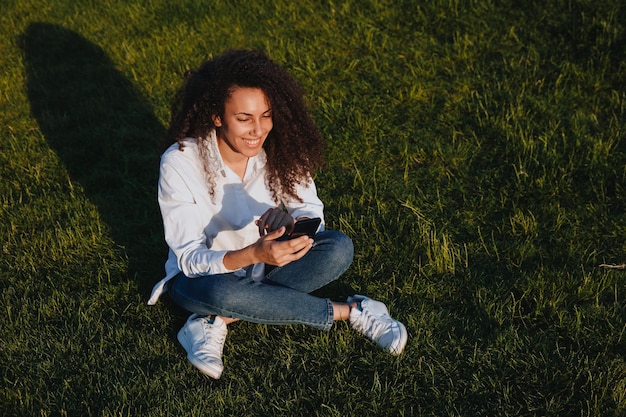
(279, 253)
(272, 225)
(273, 219)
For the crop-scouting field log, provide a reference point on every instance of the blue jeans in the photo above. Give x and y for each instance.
(282, 297)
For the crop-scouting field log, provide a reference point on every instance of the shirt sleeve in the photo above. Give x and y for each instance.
(183, 225)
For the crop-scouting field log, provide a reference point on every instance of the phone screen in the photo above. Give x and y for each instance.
(303, 227)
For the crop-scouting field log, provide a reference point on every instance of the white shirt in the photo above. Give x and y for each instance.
(200, 230)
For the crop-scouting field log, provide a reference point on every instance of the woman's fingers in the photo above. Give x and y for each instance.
(264, 222)
(273, 219)
(281, 253)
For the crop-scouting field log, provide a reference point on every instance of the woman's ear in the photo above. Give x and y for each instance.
(217, 121)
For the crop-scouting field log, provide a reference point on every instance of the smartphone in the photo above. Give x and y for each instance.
(303, 227)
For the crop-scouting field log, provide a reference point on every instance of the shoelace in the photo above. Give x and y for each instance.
(370, 324)
(215, 332)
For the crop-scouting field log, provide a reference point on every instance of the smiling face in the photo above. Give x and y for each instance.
(245, 125)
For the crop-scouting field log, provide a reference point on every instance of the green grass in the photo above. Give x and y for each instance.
(476, 156)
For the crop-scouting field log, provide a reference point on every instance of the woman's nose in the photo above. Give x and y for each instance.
(257, 128)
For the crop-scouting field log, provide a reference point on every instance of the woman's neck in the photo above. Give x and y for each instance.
(233, 159)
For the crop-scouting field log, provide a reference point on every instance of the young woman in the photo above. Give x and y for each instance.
(236, 177)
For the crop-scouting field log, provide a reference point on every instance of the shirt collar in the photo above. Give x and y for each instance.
(217, 164)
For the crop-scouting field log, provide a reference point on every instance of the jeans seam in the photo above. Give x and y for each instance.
(331, 312)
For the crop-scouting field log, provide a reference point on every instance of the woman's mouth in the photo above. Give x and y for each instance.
(252, 142)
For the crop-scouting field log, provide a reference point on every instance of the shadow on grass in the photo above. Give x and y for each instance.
(106, 135)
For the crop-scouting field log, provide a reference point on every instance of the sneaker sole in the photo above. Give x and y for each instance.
(209, 370)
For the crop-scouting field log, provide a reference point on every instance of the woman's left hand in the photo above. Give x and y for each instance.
(274, 219)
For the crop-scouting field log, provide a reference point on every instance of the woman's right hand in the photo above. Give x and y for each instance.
(280, 253)
(269, 250)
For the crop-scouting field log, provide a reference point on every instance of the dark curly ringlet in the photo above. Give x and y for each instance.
(293, 147)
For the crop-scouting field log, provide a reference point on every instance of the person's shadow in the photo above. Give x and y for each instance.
(106, 135)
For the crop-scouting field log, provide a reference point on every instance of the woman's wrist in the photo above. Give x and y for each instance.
(237, 259)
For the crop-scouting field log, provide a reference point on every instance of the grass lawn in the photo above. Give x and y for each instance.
(476, 155)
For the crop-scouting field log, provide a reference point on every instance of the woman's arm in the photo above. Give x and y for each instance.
(270, 251)
(184, 222)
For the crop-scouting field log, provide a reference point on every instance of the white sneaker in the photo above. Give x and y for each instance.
(203, 338)
(372, 319)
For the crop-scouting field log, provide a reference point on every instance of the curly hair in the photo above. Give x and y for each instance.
(294, 145)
